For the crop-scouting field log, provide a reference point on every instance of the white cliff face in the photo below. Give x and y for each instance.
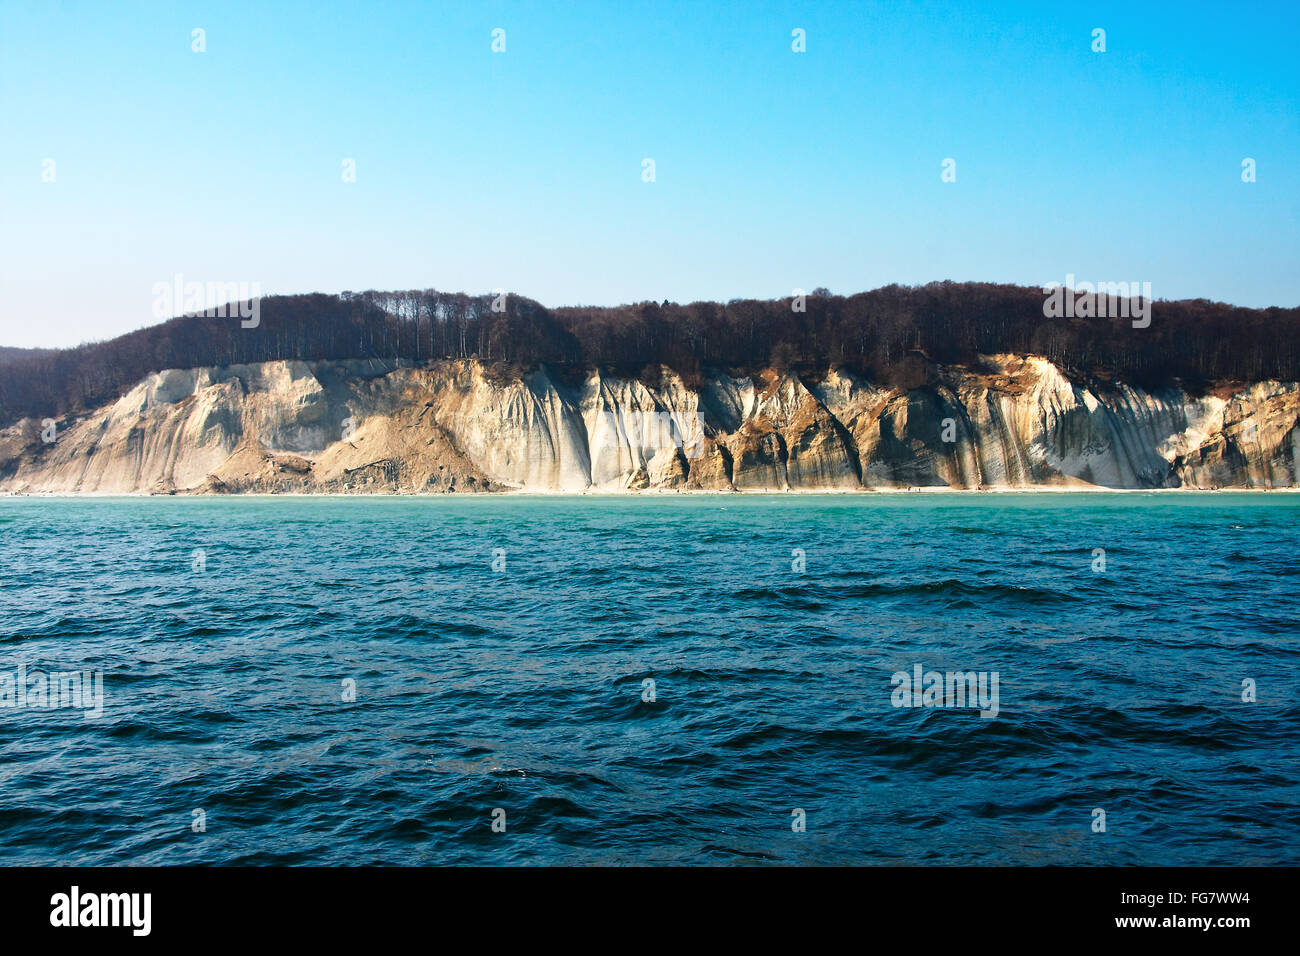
(526, 433)
(636, 437)
(1016, 422)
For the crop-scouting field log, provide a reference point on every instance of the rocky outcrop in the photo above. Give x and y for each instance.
(364, 427)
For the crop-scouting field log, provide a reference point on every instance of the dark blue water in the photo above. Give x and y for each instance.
(522, 688)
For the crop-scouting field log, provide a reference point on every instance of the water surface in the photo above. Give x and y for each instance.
(521, 687)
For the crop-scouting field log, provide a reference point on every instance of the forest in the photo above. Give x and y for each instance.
(895, 335)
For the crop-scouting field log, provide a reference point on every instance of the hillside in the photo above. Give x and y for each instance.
(896, 337)
(456, 426)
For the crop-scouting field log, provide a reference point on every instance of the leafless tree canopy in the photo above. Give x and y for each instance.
(893, 334)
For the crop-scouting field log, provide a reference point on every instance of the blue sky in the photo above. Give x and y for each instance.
(523, 170)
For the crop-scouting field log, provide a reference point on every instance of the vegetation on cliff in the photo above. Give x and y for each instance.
(894, 335)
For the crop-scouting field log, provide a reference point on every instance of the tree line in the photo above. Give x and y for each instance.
(894, 335)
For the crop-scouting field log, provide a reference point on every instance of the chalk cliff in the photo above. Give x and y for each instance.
(1014, 422)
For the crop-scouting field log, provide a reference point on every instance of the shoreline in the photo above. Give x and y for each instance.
(669, 493)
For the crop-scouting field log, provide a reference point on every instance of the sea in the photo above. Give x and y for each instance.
(867, 679)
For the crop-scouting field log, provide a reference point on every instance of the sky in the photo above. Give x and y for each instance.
(774, 170)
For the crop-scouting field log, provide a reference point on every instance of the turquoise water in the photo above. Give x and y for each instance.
(521, 688)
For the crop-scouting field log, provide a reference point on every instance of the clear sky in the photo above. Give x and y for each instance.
(774, 170)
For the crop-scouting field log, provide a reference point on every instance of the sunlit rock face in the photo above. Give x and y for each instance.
(456, 427)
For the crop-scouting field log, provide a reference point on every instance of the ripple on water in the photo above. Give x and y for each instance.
(651, 680)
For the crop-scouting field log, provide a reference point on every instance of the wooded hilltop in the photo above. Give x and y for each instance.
(894, 335)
